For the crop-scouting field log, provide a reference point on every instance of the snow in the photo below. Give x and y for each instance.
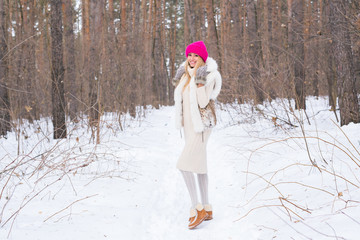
(262, 182)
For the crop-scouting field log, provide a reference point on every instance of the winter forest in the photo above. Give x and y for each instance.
(88, 147)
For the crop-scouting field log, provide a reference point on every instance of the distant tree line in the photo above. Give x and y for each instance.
(65, 58)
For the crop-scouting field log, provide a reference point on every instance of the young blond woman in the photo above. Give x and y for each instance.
(197, 82)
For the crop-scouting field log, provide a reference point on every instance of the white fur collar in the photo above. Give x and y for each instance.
(211, 64)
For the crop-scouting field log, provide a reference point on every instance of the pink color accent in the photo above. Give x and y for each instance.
(198, 48)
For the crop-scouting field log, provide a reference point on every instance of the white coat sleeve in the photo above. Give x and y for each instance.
(203, 94)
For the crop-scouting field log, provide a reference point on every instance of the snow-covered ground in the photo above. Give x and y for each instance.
(266, 180)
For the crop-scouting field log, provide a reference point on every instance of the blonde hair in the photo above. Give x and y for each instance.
(200, 62)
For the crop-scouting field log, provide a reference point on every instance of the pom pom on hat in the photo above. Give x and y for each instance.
(198, 48)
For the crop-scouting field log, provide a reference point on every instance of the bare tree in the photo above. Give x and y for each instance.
(348, 101)
(189, 28)
(271, 48)
(296, 39)
(4, 96)
(254, 48)
(95, 77)
(212, 40)
(265, 66)
(57, 70)
(159, 68)
(70, 67)
(85, 45)
(172, 44)
(328, 56)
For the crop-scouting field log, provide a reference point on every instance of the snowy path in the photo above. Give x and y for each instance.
(154, 203)
(160, 193)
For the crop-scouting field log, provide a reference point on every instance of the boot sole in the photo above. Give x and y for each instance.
(192, 227)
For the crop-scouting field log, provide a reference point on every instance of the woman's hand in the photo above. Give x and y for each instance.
(179, 73)
(200, 85)
(201, 74)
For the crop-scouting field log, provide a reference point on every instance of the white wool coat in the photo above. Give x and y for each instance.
(213, 76)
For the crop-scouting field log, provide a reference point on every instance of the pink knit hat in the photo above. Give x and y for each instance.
(198, 48)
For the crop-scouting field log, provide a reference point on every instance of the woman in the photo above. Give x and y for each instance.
(197, 82)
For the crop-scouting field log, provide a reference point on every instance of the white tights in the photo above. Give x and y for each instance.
(191, 186)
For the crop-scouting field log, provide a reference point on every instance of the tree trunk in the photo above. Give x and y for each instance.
(224, 38)
(212, 40)
(23, 106)
(355, 35)
(131, 86)
(189, 21)
(315, 54)
(236, 37)
(85, 70)
(32, 112)
(197, 17)
(265, 69)
(348, 101)
(57, 70)
(148, 68)
(70, 69)
(143, 42)
(96, 16)
(297, 42)
(4, 95)
(173, 32)
(123, 26)
(159, 67)
(112, 50)
(329, 68)
(253, 48)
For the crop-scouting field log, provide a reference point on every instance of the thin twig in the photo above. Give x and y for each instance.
(253, 209)
(332, 229)
(305, 210)
(350, 217)
(346, 137)
(69, 206)
(267, 182)
(285, 208)
(290, 138)
(289, 225)
(17, 45)
(324, 234)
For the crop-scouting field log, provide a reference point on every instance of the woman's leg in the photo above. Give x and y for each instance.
(203, 186)
(191, 186)
(197, 212)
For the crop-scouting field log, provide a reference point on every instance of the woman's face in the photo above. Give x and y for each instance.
(193, 58)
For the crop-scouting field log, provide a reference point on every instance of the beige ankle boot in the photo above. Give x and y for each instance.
(192, 215)
(208, 209)
(199, 218)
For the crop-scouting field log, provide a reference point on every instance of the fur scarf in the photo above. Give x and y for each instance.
(213, 76)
